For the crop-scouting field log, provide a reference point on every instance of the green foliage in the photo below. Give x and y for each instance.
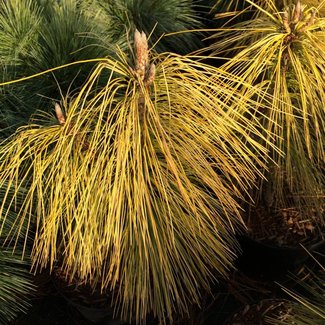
(13, 110)
(38, 35)
(66, 35)
(35, 36)
(15, 286)
(155, 17)
(19, 24)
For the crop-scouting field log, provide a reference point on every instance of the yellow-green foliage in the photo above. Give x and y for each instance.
(317, 4)
(135, 185)
(283, 51)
